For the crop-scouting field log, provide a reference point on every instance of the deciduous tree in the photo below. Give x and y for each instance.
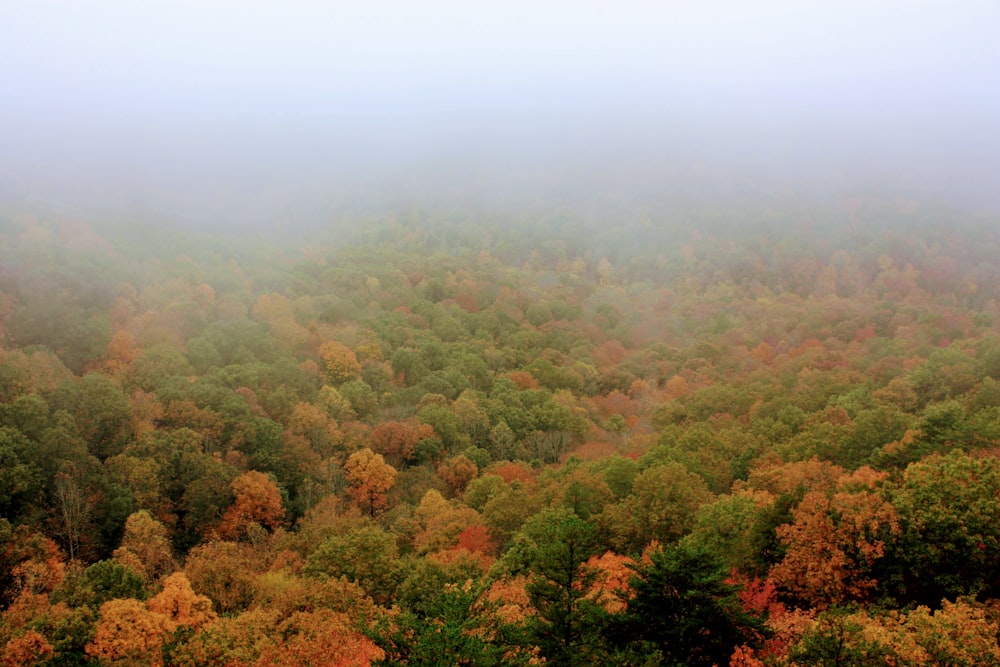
(178, 602)
(258, 501)
(369, 477)
(26, 650)
(835, 541)
(128, 634)
(145, 547)
(340, 362)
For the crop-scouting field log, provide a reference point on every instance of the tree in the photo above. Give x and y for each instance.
(682, 611)
(20, 481)
(128, 634)
(949, 545)
(145, 547)
(276, 310)
(427, 578)
(565, 625)
(258, 502)
(236, 641)
(835, 541)
(102, 414)
(397, 441)
(141, 476)
(452, 629)
(441, 522)
(732, 527)
(31, 562)
(320, 637)
(369, 477)
(456, 473)
(662, 507)
(837, 639)
(223, 571)
(959, 634)
(180, 605)
(361, 397)
(103, 581)
(313, 423)
(24, 650)
(507, 511)
(577, 488)
(75, 503)
(341, 363)
(610, 589)
(367, 556)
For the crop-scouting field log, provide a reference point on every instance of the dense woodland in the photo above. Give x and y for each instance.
(747, 436)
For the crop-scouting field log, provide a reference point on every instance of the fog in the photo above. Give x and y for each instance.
(296, 114)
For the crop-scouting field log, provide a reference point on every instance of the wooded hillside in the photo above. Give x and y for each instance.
(746, 437)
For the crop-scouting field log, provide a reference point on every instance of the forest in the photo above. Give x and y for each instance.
(745, 435)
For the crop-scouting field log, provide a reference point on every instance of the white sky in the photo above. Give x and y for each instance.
(181, 104)
(133, 56)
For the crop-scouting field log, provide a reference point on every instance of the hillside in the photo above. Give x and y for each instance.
(749, 435)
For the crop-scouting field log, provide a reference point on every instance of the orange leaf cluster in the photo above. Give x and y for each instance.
(258, 501)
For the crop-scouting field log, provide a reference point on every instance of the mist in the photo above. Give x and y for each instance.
(295, 116)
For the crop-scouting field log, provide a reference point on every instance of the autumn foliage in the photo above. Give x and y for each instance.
(257, 502)
(445, 441)
(369, 478)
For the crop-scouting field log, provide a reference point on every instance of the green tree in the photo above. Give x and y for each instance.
(730, 528)
(368, 556)
(102, 413)
(950, 537)
(361, 398)
(838, 640)
(566, 623)
(104, 580)
(20, 481)
(452, 629)
(682, 611)
(662, 507)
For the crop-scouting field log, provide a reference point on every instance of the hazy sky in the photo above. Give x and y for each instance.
(136, 56)
(79, 76)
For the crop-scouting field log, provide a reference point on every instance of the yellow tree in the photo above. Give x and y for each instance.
(677, 387)
(276, 310)
(224, 571)
(369, 477)
(121, 353)
(441, 522)
(180, 605)
(313, 423)
(959, 633)
(145, 547)
(341, 363)
(234, 641)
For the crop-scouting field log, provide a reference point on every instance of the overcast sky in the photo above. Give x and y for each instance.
(397, 56)
(81, 73)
